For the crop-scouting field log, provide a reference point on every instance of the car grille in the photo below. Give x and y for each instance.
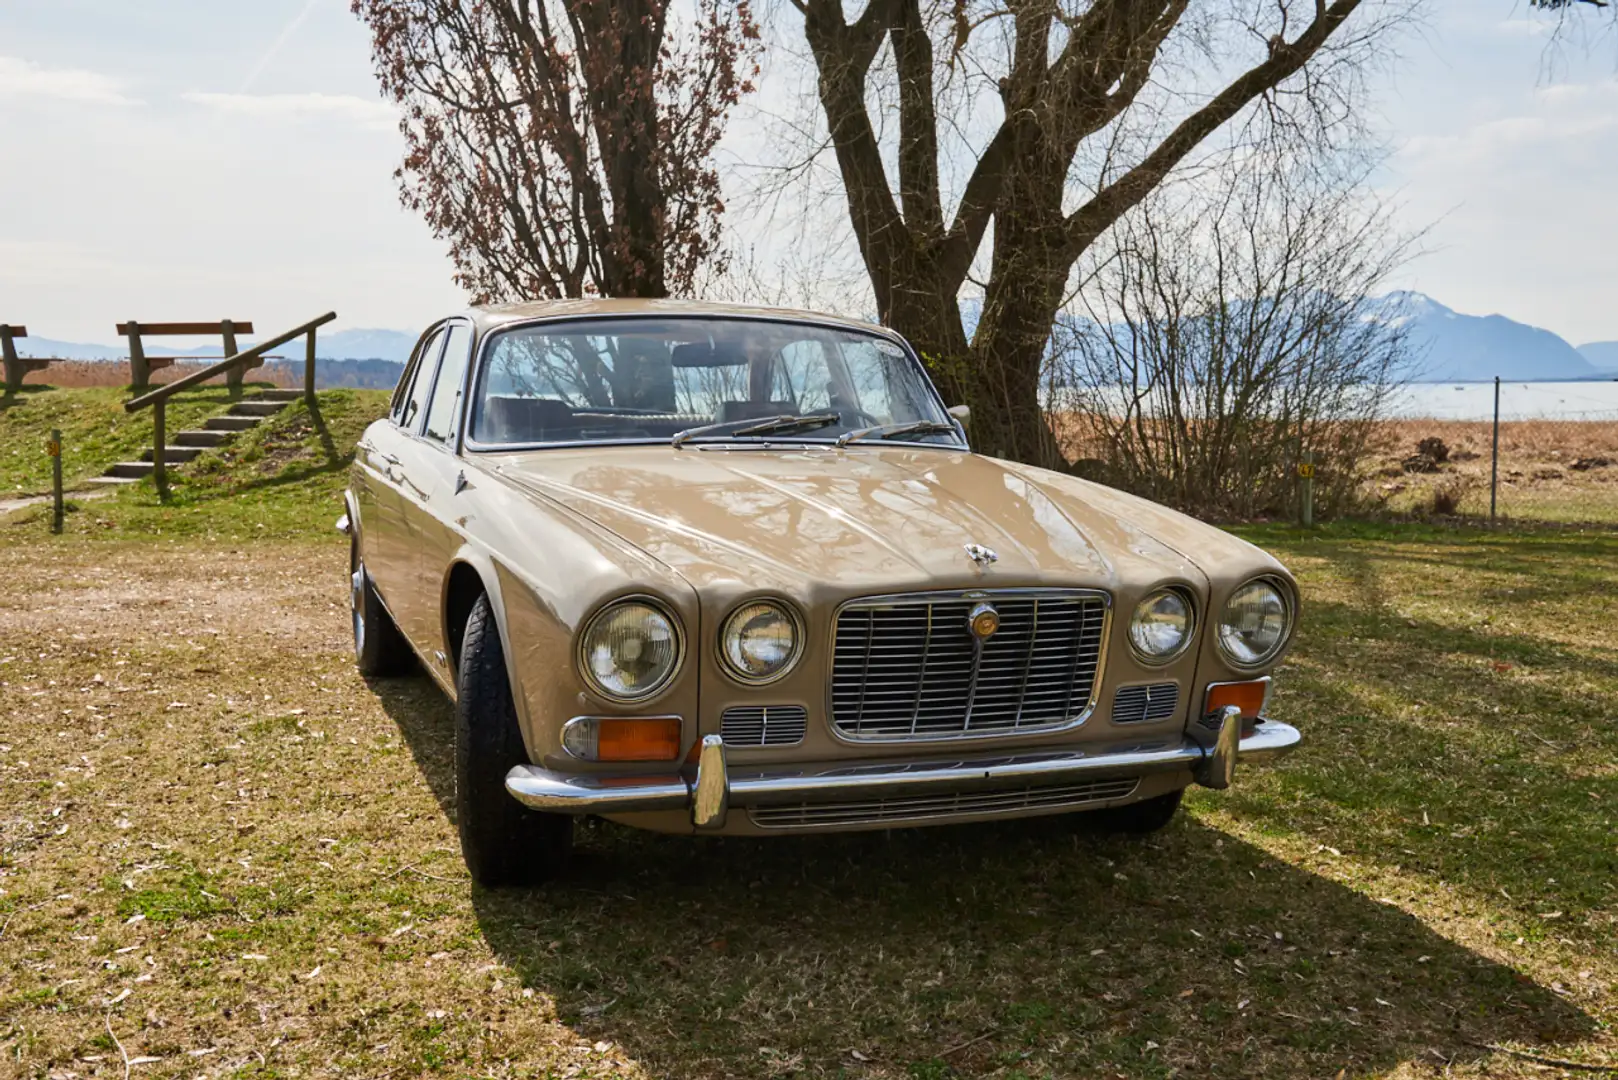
(932, 807)
(763, 725)
(908, 667)
(1136, 704)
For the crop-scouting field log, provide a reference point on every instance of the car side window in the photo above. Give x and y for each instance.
(416, 400)
(443, 409)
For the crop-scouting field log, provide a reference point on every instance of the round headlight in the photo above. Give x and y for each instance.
(1161, 627)
(759, 642)
(1255, 623)
(630, 650)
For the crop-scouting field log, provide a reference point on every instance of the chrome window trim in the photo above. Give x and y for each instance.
(480, 360)
(675, 669)
(799, 629)
(1019, 593)
(1185, 592)
(1289, 597)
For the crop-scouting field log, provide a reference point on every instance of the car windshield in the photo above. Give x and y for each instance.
(652, 379)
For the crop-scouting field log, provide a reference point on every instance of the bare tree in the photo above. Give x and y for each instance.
(1226, 326)
(1098, 102)
(565, 147)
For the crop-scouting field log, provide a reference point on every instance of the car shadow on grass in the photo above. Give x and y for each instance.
(1031, 947)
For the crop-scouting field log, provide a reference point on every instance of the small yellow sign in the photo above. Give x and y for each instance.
(1306, 470)
(53, 447)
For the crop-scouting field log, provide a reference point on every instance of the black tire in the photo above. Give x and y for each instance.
(503, 842)
(379, 647)
(1139, 818)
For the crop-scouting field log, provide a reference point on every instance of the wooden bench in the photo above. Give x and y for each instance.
(141, 366)
(17, 367)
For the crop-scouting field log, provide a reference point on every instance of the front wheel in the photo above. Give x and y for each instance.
(503, 842)
(1139, 818)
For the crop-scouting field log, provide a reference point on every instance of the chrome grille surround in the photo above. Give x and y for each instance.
(1145, 702)
(763, 725)
(906, 667)
(913, 808)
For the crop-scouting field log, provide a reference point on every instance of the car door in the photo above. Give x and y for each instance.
(436, 479)
(384, 532)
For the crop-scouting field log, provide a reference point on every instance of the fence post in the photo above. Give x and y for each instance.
(309, 369)
(54, 448)
(1306, 473)
(1494, 456)
(159, 444)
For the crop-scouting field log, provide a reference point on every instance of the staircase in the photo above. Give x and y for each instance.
(184, 446)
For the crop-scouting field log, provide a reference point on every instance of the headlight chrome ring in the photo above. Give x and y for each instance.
(1256, 622)
(1153, 626)
(630, 649)
(760, 641)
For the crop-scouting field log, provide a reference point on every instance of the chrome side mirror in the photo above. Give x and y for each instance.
(962, 414)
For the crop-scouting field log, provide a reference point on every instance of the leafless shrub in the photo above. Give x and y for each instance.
(1229, 327)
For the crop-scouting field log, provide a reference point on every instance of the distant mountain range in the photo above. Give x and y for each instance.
(392, 345)
(1447, 347)
(1450, 347)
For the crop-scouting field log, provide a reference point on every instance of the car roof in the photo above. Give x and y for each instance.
(496, 315)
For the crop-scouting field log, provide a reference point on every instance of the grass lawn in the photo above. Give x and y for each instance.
(223, 853)
(95, 431)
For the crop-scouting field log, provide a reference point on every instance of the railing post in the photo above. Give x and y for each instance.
(159, 444)
(233, 377)
(309, 369)
(140, 376)
(14, 368)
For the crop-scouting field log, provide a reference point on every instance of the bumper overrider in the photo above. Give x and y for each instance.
(714, 787)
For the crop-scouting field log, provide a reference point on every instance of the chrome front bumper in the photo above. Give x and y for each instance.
(715, 786)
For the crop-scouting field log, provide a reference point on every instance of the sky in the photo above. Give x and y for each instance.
(203, 159)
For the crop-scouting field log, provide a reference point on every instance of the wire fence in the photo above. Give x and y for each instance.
(1507, 452)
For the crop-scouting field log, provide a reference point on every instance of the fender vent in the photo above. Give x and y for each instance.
(763, 725)
(1138, 704)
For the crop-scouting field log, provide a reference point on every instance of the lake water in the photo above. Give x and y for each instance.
(1518, 400)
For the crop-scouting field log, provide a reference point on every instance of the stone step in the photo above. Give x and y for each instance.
(203, 438)
(232, 423)
(277, 395)
(119, 480)
(174, 455)
(130, 470)
(257, 408)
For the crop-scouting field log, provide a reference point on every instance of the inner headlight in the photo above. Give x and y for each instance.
(1255, 623)
(630, 650)
(759, 641)
(1161, 626)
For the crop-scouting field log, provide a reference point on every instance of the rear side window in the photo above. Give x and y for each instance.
(426, 367)
(442, 412)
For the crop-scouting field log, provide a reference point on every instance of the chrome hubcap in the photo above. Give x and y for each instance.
(356, 604)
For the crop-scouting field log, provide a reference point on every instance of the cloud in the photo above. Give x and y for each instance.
(348, 108)
(24, 78)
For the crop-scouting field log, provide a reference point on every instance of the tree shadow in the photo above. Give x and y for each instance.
(1031, 947)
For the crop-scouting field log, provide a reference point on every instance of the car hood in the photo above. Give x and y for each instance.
(865, 519)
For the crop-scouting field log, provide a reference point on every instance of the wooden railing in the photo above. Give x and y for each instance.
(157, 399)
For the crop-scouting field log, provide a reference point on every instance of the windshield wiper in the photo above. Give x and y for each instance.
(769, 425)
(888, 431)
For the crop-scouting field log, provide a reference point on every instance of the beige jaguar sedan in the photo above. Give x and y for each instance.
(727, 570)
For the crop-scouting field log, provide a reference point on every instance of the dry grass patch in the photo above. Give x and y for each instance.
(224, 853)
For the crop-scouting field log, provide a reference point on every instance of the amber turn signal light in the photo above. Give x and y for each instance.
(1246, 696)
(609, 738)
